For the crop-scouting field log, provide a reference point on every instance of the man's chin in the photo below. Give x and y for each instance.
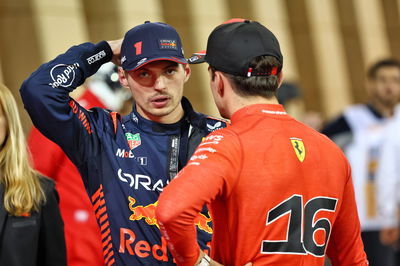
(389, 102)
(160, 112)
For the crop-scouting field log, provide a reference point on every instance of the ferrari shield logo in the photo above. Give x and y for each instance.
(299, 148)
(134, 140)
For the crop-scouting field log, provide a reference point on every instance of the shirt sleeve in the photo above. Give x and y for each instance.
(345, 245)
(336, 127)
(211, 173)
(387, 179)
(45, 95)
(46, 155)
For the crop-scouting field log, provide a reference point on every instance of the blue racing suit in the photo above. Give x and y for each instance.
(124, 161)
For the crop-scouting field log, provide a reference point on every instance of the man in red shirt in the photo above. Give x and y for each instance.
(279, 192)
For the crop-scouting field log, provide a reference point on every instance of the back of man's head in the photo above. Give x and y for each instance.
(248, 54)
(262, 85)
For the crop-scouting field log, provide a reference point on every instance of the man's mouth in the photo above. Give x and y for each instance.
(160, 101)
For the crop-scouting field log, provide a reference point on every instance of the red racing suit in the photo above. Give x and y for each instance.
(280, 193)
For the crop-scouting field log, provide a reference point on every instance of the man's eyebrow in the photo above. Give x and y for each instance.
(172, 64)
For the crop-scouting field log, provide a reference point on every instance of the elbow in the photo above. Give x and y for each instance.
(27, 92)
(165, 214)
(23, 91)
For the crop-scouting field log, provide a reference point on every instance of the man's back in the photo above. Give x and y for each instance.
(280, 191)
(290, 177)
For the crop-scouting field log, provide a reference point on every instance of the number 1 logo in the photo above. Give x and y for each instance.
(300, 238)
(138, 47)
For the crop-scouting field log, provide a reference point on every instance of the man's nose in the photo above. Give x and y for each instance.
(159, 84)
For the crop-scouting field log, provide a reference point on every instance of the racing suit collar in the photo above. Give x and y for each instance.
(271, 110)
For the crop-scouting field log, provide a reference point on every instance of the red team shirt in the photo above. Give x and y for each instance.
(279, 192)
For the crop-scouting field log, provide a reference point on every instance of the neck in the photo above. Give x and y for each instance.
(384, 109)
(240, 102)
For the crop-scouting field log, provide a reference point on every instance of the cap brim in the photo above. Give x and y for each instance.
(197, 58)
(172, 58)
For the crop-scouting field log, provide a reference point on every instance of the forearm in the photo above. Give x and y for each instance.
(55, 79)
(45, 95)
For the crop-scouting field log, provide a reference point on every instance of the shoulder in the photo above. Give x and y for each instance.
(106, 120)
(202, 121)
(224, 137)
(214, 123)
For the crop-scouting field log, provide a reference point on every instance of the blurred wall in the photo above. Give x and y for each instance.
(327, 44)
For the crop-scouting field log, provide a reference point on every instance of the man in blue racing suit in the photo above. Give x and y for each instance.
(125, 162)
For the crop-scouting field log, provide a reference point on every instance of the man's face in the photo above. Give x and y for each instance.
(157, 88)
(385, 87)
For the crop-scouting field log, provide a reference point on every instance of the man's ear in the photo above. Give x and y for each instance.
(280, 78)
(188, 71)
(122, 78)
(220, 81)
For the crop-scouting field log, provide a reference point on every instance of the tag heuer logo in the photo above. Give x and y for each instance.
(299, 148)
(134, 140)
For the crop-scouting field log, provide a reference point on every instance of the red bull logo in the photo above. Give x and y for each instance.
(141, 248)
(201, 221)
(148, 213)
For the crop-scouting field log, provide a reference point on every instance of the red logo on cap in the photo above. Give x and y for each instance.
(138, 47)
(232, 20)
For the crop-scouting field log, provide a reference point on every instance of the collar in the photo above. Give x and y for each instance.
(270, 110)
(374, 111)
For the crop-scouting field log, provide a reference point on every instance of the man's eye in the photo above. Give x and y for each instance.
(144, 74)
(170, 71)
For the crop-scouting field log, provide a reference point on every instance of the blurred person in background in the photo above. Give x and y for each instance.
(290, 96)
(82, 233)
(359, 132)
(388, 185)
(31, 227)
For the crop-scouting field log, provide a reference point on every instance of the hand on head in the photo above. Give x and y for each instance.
(116, 49)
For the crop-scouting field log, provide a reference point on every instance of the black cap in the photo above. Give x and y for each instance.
(233, 45)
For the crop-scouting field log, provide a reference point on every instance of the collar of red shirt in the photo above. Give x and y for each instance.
(259, 109)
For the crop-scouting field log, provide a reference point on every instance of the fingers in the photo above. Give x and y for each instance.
(116, 49)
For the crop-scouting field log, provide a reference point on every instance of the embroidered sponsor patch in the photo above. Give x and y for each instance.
(134, 140)
(141, 61)
(167, 44)
(63, 75)
(96, 57)
(299, 148)
(214, 127)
